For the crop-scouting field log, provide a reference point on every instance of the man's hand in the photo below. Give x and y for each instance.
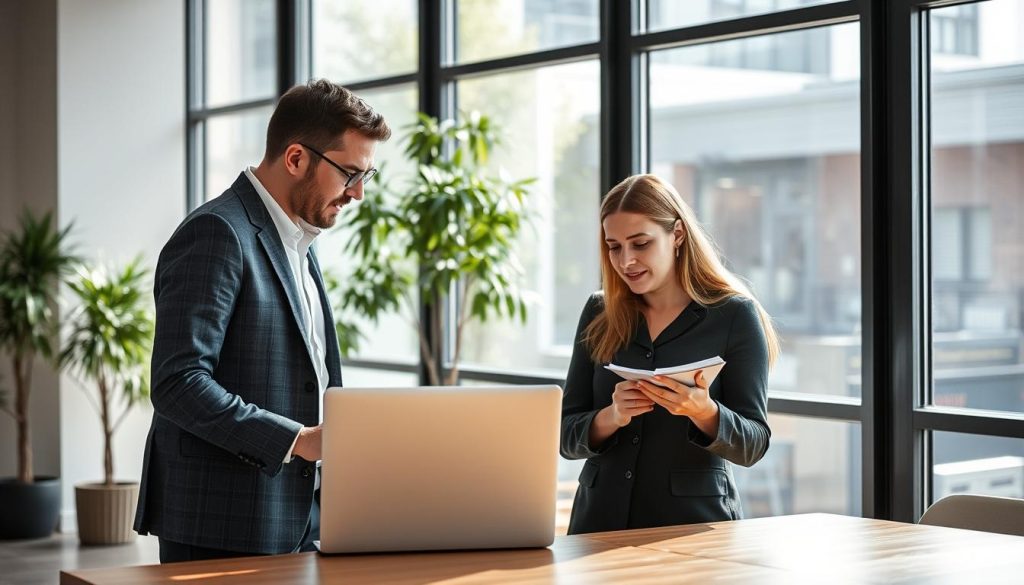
(309, 445)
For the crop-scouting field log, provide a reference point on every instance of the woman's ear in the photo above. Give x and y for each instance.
(679, 233)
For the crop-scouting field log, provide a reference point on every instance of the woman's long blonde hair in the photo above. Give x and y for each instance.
(699, 266)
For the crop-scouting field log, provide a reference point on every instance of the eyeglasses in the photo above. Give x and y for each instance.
(350, 178)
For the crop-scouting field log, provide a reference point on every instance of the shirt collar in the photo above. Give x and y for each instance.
(295, 234)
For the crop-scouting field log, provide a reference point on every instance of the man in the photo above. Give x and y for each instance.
(245, 342)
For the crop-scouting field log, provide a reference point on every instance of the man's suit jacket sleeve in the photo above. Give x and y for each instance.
(198, 281)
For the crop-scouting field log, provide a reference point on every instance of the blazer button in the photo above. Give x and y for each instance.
(649, 354)
(307, 471)
(636, 440)
(310, 387)
(629, 475)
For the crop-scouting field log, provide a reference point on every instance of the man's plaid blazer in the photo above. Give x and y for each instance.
(232, 384)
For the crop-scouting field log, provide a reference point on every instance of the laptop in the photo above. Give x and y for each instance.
(439, 468)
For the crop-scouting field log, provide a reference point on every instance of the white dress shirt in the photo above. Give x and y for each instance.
(297, 238)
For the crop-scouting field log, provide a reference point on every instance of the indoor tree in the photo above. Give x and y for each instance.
(109, 343)
(451, 230)
(33, 262)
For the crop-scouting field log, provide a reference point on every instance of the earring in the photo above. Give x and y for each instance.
(677, 251)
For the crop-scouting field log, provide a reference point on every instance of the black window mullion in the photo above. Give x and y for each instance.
(972, 422)
(619, 83)
(287, 44)
(899, 349)
(524, 61)
(872, 106)
(748, 26)
(429, 84)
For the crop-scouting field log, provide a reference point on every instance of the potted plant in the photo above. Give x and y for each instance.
(33, 262)
(108, 345)
(452, 230)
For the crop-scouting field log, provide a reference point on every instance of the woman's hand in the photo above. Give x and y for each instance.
(628, 401)
(682, 400)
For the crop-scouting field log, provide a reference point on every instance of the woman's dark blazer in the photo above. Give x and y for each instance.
(659, 469)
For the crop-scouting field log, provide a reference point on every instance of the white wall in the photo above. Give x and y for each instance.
(121, 144)
(28, 179)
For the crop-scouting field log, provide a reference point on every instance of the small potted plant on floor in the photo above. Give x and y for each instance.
(108, 348)
(33, 262)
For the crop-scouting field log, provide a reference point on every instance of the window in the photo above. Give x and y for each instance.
(552, 115)
(499, 28)
(241, 62)
(393, 337)
(372, 44)
(954, 30)
(976, 464)
(665, 14)
(977, 218)
(892, 278)
(232, 87)
(770, 162)
(813, 465)
(963, 244)
(356, 40)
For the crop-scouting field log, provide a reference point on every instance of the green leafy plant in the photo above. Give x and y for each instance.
(33, 262)
(109, 344)
(347, 331)
(451, 230)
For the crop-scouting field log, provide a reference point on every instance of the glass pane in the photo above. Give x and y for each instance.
(373, 378)
(663, 14)
(499, 28)
(812, 465)
(234, 142)
(765, 145)
(241, 51)
(393, 337)
(976, 464)
(550, 121)
(977, 205)
(363, 39)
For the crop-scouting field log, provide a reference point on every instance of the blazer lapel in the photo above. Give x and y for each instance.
(272, 245)
(690, 316)
(331, 351)
(271, 242)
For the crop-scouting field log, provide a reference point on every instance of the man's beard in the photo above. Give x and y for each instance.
(307, 203)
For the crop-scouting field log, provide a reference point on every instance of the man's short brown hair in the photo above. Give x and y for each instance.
(318, 113)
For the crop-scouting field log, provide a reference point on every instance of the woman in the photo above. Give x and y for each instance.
(657, 454)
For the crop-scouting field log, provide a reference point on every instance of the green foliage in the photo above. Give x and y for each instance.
(453, 227)
(111, 330)
(347, 331)
(33, 261)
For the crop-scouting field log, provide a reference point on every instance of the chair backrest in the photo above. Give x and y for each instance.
(973, 512)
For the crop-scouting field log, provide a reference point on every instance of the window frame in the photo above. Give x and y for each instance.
(894, 414)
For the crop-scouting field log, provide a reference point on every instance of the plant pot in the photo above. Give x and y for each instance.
(29, 510)
(106, 512)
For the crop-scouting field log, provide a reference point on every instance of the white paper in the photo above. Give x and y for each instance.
(683, 373)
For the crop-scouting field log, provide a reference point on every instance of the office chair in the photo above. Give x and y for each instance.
(973, 512)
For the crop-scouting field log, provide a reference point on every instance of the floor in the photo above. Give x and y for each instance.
(39, 562)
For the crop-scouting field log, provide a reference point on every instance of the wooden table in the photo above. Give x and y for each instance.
(808, 548)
